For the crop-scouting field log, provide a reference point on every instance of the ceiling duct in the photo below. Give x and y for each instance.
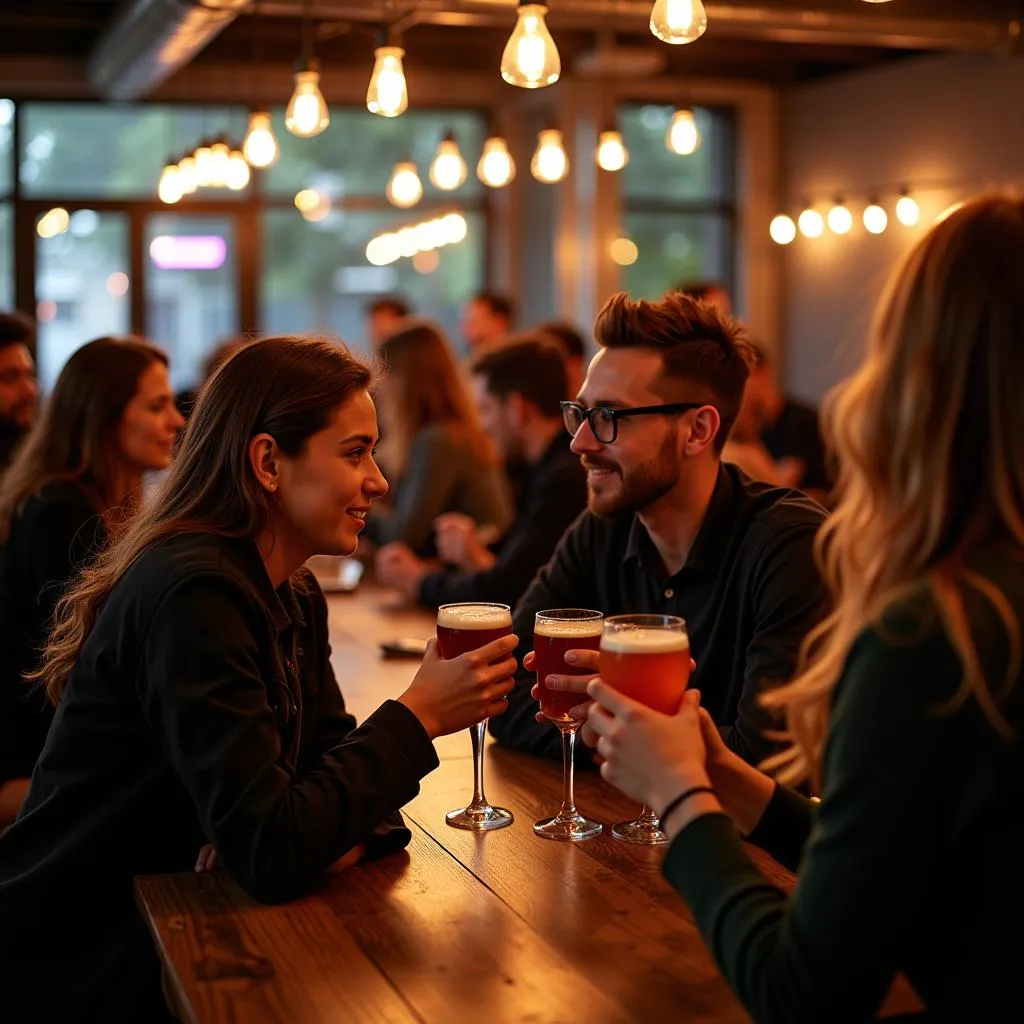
(148, 40)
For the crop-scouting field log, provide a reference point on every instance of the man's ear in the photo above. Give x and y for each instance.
(704, 425)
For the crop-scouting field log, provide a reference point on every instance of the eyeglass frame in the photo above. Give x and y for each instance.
(616, 414)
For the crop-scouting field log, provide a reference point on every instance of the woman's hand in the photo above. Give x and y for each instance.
(448, 696)
(647, 755)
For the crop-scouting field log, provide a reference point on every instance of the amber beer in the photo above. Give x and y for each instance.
(468, 627)
(553, 637)
(649, 663)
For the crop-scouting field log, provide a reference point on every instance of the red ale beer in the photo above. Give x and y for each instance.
(651, 665)
(468, 627)
(552, 638)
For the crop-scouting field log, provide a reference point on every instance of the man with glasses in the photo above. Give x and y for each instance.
(671, 529)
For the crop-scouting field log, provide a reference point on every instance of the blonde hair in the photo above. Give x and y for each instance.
(929, 437)
(424, 386)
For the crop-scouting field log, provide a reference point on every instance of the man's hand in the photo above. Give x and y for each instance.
(582, 660)
(399, 568)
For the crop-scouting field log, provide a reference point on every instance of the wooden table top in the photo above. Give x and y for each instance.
(502, 926)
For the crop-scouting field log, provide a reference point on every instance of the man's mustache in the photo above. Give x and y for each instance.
(592, 463)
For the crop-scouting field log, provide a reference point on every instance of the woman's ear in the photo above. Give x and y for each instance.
(265, 459)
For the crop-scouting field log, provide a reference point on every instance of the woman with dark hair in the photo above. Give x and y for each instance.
(111, 419)
(197, 704)
(434, 448)
(907, 710)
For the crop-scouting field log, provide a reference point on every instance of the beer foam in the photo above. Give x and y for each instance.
(581, 628)
(645, 641)
(473, 616)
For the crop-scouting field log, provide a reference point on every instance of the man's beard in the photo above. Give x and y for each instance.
(640, 488)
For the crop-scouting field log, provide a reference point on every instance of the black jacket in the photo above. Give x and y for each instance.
(555, 494)
(56, 532)
(203, 708)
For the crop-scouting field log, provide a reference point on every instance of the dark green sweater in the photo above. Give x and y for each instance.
(912, 861)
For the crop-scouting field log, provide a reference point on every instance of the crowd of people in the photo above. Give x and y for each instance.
(854, 613)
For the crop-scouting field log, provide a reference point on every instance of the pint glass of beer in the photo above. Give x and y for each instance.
(462, 628)
(646, 657)
(555, 633)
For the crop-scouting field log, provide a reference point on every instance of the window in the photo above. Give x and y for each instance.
(678, 210)
(85, 150)
(6, 213)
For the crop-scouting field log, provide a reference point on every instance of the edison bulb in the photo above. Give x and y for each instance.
(448, 170)
(908, 213)
(169, 189)
(453, 228)
(238, 171)
(624, 252)
(840, 220)
(405, 188)
(496, 168)
(876, 220)
(612, 154)
(811, 224)
(204, 165)
(220, 162)
(530, 59)
(550, 163)
(782, 229)
(678, 21)
(307, 114)
(388, 94)
(683, 136)
(260, 145)
(187, 175)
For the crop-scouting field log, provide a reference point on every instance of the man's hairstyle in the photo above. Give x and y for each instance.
(529, 365)
(389, 304)
(17, 329)
(705, 354)
(567, 336)
(498, 303)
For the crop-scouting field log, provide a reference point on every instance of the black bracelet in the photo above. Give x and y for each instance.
(685, 795)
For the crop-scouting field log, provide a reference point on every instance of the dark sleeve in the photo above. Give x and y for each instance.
(430, 476)
(206, 703)
(553, 504)
(892, 769)
(812, 451)
(785, 826)
(789, 599)
(334, 725)
(567, 581)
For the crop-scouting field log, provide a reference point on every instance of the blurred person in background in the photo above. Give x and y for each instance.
(574, 349)
(906, 713)
(110, 419)
(437, 455)
(383, 316)
(519, 387)
(708, 291)
(487, 317)
(225, 348)
(19, 392)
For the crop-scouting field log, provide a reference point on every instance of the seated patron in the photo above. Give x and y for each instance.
(111, 418)
(907, 711)
(574, 350)
(671, 530)
(519, 389)
(18, 389)
(435, 452)
(198, 717)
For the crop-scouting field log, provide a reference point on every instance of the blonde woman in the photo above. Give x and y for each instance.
(907, 712)
(434, 451)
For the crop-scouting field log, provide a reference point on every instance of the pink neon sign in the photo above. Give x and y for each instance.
(188, 252)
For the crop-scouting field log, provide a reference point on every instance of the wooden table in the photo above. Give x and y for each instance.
(501, 927)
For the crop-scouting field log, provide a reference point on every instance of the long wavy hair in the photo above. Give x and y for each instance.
(929, 437)
(287, 387)
(424, 386)
(74, 439)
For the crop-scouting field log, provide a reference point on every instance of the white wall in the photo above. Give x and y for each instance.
(946, 126)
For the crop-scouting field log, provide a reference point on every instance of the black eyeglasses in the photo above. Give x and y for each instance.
(604, 422)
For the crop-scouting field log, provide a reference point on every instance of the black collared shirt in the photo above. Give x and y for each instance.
(555, 494)
(749, 591)
(203, 708)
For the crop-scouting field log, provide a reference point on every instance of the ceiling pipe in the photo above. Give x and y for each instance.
(148, 40)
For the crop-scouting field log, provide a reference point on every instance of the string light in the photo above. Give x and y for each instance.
(187, 174)
(220, 162)
(260, 144)
(683, 135)
(405, 188)
(204, 165)
(530, 59)
(782, 229)
(876, 220)
(550, 162)
(496, 167)
(238, 171)
(169, 188)
(811, 224)
(611, 154)
(908, 213)
(448, 169)
(388, 94)
(307, 114)
(840, 220)
(624, 252)
(678, 21)
(425, 236)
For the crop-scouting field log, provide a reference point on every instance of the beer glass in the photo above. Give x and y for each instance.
(646, 657)
(462, 628)
(554, 633)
